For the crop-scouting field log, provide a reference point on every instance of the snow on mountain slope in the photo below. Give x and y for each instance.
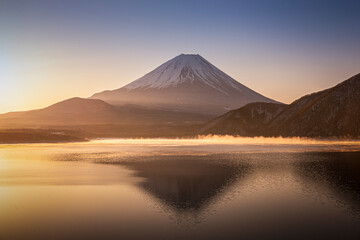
(185, 82)
(186, 68)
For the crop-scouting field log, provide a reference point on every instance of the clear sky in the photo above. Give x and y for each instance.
(53, 50)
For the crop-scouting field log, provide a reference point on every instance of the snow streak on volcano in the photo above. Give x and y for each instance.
(186, 82)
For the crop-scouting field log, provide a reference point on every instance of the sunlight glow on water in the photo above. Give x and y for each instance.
(205, 188)
(217, 139)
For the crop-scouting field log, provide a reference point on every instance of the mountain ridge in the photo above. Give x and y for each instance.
(331, 112)
(70, 111)
(187, 82)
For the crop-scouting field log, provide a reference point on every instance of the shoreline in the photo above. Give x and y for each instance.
(220, 139)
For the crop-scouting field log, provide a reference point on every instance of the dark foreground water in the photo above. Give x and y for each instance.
(180, 190)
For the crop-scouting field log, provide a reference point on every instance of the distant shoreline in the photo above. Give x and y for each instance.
(22, 136)
(28, 136)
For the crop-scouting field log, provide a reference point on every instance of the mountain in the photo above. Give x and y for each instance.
(69, 112)
(331, 112)
(249, 120)
(81, 111)
(185, 83)
(79, 118)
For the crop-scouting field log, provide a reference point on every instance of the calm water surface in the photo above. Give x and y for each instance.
(181, 189)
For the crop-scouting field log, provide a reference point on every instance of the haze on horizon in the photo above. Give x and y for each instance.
(54, 50)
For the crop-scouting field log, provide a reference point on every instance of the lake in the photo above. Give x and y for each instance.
(206, 188)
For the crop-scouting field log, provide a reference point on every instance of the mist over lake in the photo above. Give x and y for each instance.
(209, 188)
(179, 120)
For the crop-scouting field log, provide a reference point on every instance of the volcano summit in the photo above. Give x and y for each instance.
(187, 82)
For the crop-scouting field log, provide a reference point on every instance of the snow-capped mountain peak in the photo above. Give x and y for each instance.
(186, 68)
(187, 82)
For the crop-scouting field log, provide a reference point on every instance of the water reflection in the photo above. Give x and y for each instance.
(339, 171)
(310, 194)
(100, 192)
(186, 183)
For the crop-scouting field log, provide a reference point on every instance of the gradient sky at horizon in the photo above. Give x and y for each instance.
(53, 50)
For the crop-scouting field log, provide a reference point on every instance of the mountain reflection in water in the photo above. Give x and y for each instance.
(185, 183)
(192, 184)
(109, 192)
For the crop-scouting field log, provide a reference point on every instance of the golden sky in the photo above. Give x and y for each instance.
(54, 50)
